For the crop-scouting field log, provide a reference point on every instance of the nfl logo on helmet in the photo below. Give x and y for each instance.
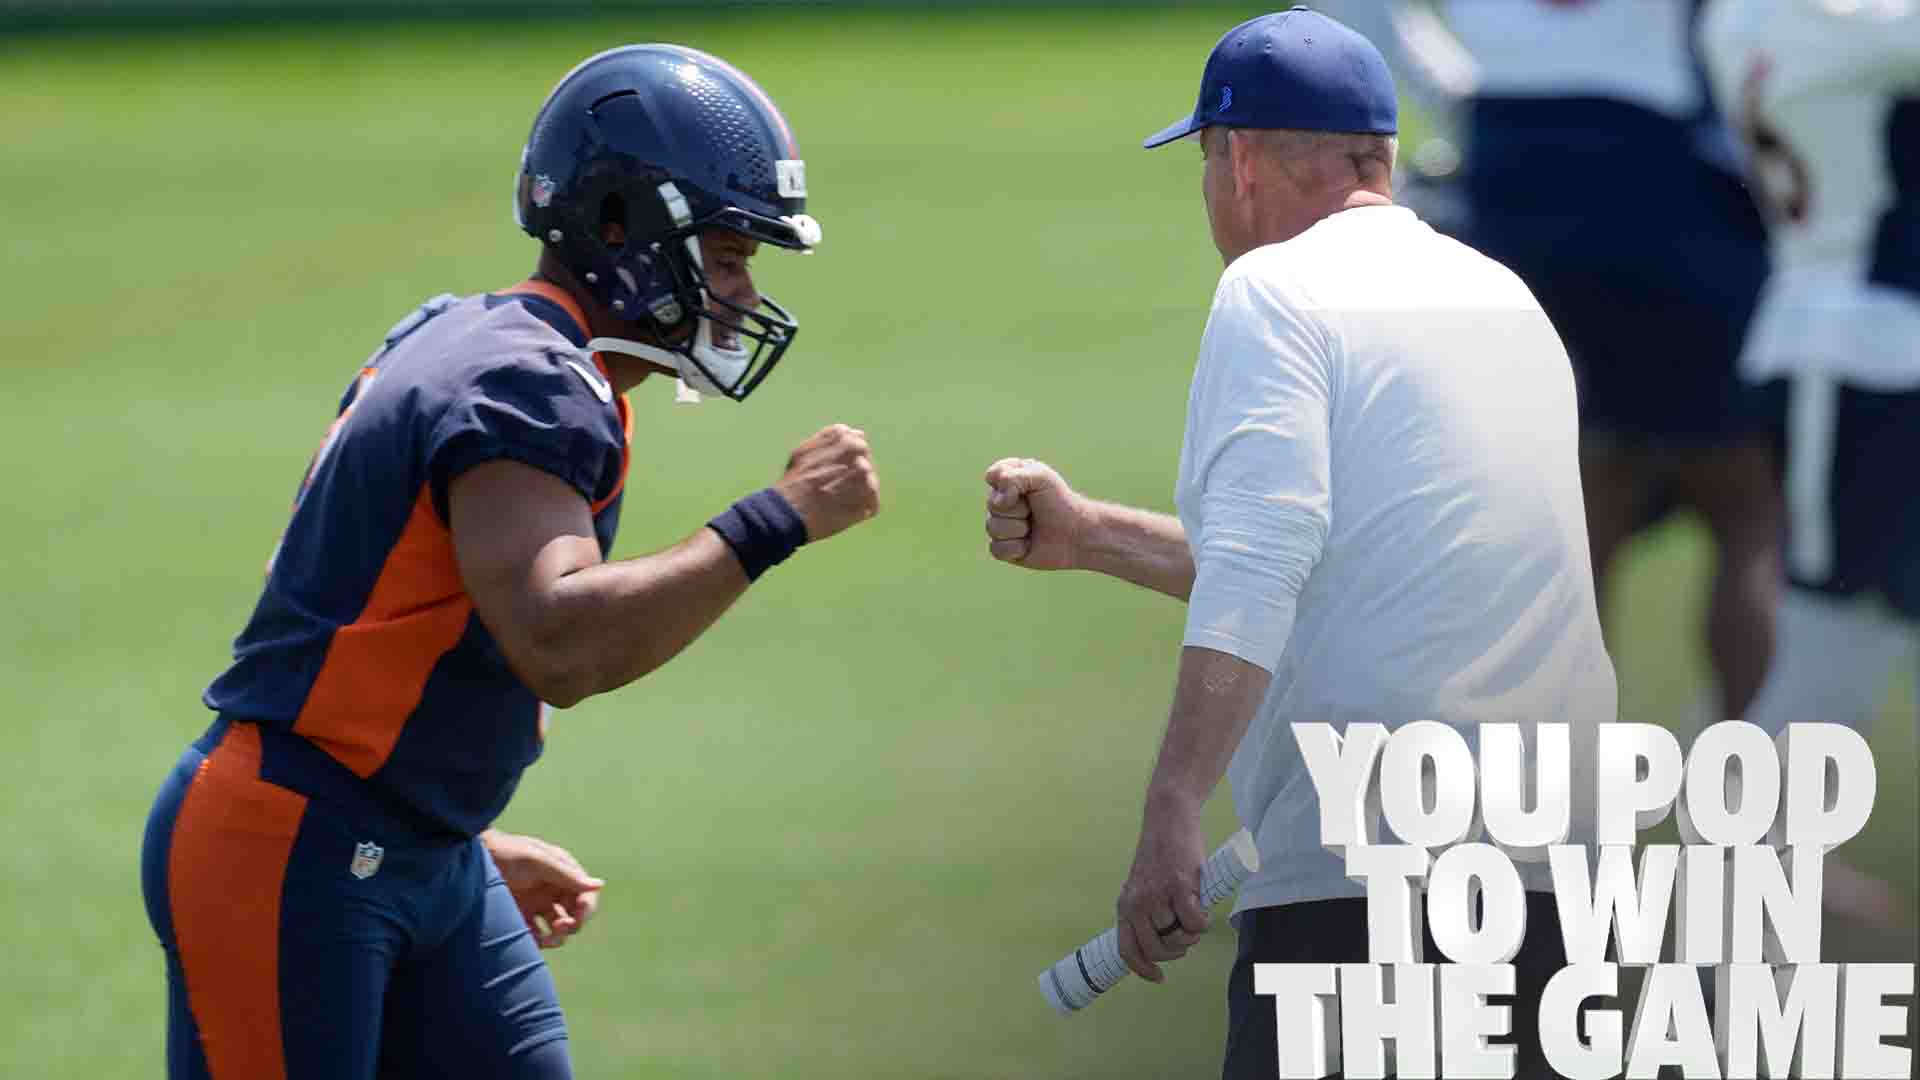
(366, 860)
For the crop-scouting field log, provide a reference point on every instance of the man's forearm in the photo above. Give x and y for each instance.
(615, 622)
(1214, 699)
(1140, 546)
(636, 614)
(571, 625)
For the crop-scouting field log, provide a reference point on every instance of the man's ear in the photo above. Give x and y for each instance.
(1243, 157)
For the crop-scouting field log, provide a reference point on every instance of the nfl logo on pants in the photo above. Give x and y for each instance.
(366, 860)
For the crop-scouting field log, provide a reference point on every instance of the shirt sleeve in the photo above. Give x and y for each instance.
(536, 412)
(1260, 486)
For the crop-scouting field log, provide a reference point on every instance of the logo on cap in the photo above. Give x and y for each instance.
(1226, 98)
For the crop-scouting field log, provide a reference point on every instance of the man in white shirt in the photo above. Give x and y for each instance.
(1380, 510)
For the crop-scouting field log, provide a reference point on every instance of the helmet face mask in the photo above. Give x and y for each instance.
(669, 143)
(760, 336)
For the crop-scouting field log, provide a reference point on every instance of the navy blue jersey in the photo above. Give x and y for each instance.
(364, 642)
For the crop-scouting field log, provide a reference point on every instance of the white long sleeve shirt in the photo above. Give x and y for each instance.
(1380, 487)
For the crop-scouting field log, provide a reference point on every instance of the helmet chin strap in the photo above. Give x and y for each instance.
(653, 353)
(729, 364)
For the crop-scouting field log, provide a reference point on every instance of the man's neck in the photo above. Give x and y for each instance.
(623, 372)
(1279, 232)
(1365, 197)
(550, 271)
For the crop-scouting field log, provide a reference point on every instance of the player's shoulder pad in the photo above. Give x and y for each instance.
(523, 351)
(515, 388)
(418, 317)
(558, 387)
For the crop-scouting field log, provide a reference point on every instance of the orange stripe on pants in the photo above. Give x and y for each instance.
(225, 868)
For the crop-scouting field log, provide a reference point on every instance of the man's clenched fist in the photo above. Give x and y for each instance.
(830, 481)
(1033, 518)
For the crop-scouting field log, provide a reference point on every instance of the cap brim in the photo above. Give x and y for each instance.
(1179, 129)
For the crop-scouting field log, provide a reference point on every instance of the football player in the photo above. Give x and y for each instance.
(1596, 168)
(319, 866)
(1827, 95)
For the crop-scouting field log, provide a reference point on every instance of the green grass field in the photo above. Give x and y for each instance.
(847, 828)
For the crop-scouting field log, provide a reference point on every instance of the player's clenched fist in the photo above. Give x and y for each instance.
(830, 481)
(1033, 518)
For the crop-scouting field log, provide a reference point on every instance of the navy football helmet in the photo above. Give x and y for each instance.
(667, 141)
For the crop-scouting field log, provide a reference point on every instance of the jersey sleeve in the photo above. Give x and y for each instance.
(538, 412)
(1260, 484)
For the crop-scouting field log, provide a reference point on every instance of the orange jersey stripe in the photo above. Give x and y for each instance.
(626, 452)
(225, 870)
(377, 667)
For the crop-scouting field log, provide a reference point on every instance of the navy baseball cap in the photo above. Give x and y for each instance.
(1293, 69)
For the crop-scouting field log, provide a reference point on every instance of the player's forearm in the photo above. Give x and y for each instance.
(611, 623)
(1214, 700)
(1139, 546)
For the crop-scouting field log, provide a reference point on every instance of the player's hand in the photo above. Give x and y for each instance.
(1033, 518)
(554, 892)
(830, 481)
(1159, 912)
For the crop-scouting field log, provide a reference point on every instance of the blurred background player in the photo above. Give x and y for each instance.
(1585, 155)
(319, 866)
(1827, 95)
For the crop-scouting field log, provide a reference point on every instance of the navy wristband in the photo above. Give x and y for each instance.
(762, 529)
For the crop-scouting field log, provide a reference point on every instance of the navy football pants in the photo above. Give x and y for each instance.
(282, 964)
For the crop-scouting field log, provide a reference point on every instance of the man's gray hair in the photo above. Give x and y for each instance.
(1330, 154)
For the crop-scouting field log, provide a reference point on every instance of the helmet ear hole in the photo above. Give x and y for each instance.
(613, 220)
